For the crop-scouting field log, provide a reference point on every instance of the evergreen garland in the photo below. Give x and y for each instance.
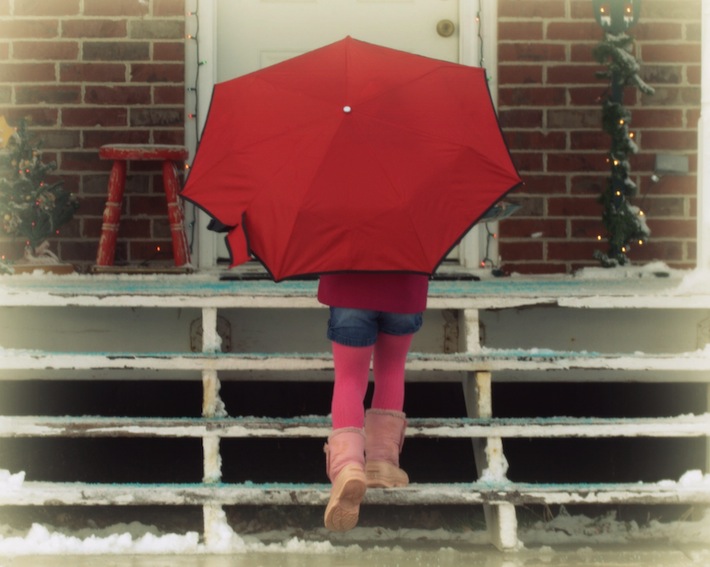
(30, 207)
(624, 222)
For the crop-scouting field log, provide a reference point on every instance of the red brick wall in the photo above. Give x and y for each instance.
(550, 112)
(92, 72)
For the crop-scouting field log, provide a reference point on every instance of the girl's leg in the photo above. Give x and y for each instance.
(348, 329)
(345, 450)
(352, 369)
(390, 357)
(385, 423)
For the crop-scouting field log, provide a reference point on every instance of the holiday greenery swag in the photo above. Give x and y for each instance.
(625, 223)
(31, 207)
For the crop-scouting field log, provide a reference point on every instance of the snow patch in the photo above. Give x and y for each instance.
(652, 269)
(136, 538)
(42, 540)
(566, 529)
(695, 281)
(9, 481)
(689, 478)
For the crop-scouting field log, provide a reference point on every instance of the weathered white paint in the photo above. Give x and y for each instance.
(207, 291)
(470, 337)
(488, 360)
(572, 375)
(211, 342)
(491, 464)
(213, 517)
(684, 426)
(81, 494)
(256, 311)
(212, 405)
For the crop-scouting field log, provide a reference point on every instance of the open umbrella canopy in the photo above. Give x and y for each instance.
(351, 157)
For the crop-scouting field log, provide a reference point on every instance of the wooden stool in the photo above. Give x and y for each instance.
(120, 154)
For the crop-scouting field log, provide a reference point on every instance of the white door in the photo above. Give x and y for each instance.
(252, 34)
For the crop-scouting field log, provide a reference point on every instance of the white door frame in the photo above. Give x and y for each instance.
(478, 38)
(478, 46)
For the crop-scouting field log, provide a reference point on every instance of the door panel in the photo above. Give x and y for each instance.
(252, 34)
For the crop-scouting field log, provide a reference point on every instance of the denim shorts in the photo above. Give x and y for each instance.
(359, 327)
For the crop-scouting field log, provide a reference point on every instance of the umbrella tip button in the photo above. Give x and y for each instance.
(347, 109)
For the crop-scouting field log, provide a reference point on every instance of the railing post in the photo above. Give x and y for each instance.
(491, 464)
(214, 518)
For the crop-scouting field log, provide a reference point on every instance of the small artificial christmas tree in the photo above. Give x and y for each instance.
(31, 207)
(624, 222)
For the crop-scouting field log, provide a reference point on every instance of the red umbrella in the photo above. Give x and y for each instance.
(352, 157)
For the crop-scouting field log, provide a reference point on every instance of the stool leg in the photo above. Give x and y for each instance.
(112, 215)
(181, 251)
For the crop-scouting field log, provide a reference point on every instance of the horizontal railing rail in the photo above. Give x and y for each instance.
(474, 366)
(488, 360)
(284, 494)
(319, 427)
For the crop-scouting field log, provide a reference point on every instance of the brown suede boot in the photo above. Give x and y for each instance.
(345, 465)
(384, 433)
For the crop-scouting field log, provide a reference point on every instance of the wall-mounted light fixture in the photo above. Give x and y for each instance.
(670, 164)
(616, 16)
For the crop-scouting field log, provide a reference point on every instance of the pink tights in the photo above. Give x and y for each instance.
(352, 369)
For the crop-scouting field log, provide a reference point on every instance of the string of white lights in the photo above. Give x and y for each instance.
(192, 95)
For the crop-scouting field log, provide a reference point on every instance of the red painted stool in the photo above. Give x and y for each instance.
(121, 154)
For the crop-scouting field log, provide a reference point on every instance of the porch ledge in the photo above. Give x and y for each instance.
(680, 290)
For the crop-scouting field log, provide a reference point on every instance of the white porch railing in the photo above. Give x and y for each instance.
(476, 366)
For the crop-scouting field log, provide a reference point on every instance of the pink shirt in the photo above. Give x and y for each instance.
(389, 292)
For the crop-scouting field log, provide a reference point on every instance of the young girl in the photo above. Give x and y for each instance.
(373, 317)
